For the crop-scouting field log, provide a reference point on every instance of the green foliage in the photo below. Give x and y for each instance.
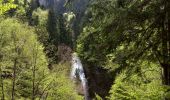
(22, 8)
(118, 34)
(52, 27)
(6, 6)
(47, 31)
(19, 42)
(52, 31)
(98, 97)
(69, 17)
(40, 19)
(136, 84)
(61, 86)
(65, 31)
(114, 26)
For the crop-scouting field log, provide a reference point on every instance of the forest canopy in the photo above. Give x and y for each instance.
(122, 47)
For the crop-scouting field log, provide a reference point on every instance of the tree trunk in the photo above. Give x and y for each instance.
(33, 84)
(14, 78)
(35, 50)
(166, 44)
(1, 78)
(2, 86)
(168, 17)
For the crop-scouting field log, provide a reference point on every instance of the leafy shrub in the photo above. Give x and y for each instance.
(143, 84)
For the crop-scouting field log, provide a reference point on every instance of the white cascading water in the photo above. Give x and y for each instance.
(78, 72)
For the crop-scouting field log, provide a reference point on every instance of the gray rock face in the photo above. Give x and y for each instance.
(58, 5)
(43, 2)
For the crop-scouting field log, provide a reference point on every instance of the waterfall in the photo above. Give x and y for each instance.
(78, 72)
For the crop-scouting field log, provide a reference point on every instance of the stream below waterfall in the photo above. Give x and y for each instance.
(77, 72)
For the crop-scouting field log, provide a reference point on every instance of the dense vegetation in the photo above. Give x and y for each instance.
(27, 50)
(129, 39)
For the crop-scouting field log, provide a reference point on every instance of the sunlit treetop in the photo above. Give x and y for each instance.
(6, 6)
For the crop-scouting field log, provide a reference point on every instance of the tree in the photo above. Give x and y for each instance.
(23, 58)
(64, 30)
(47, 30)
(6, 6)
(61, 87)
(52, 27)
(121, 33)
